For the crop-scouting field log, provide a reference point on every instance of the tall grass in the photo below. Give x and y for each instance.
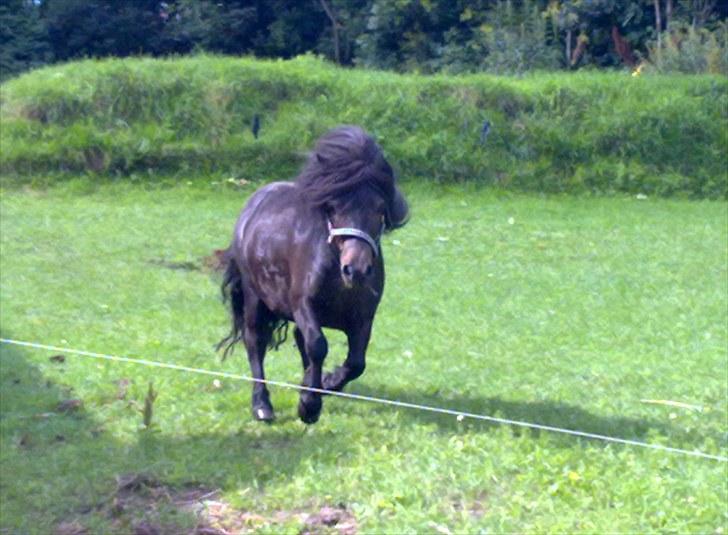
(583, 132)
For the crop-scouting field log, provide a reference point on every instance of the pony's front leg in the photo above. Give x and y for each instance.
(313, 347)
(355, 361)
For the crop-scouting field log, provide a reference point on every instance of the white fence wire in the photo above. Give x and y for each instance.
(460, 415)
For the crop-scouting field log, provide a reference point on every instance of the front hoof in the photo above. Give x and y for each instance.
(264, 414)
(328, 382)
(309, 409)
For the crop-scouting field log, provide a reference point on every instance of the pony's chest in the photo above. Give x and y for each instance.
(338, 307)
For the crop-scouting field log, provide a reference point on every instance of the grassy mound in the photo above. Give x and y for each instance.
(583, 132)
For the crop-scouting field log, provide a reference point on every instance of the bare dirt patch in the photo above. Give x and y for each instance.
(70, 528)
(212, 263)
(143, 505)
(336, 518)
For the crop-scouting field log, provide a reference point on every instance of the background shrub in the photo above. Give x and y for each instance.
(688, 49)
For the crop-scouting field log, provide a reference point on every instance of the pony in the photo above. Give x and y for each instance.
(309, 252)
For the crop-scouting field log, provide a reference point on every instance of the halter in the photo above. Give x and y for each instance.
(355, 233)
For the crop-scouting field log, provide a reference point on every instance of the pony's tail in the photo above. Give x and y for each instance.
(232, 290)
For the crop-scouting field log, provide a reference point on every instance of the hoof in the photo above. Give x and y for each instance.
(327, 383)
(264, 413)
(309, 410)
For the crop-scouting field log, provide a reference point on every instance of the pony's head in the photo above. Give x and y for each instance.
(350, 181)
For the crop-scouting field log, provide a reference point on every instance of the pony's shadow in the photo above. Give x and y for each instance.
(542, 412)
(254, 455)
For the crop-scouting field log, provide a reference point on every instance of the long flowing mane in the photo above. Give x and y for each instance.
(345, 159)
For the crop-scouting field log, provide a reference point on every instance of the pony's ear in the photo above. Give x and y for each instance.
(397, 211)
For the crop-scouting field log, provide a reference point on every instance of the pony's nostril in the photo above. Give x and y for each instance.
(346, 270)
(368, 271)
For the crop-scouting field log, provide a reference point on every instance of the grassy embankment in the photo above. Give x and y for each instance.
(584, 132)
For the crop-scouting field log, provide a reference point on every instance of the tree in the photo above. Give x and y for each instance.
(95, 28)
(335, 26)
(419, 35)
(224, 27)
(407, 34)
(23, 37)
(351, 21)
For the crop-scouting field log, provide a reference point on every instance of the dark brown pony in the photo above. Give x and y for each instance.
(308, 251)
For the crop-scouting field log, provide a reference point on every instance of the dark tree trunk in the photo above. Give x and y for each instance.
(335, 28)
(624, 51)
(658, 25)
(568, 45)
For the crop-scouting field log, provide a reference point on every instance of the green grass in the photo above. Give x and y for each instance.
(556, 310)
(579, 132)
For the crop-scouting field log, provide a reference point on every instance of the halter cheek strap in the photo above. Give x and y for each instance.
(354, 233)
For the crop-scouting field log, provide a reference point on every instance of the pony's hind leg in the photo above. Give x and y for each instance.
(257, 334)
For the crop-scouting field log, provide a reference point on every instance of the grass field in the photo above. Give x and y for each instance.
(557, 310)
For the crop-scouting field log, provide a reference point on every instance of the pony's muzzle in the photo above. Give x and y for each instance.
(357, 263)
(354, 277)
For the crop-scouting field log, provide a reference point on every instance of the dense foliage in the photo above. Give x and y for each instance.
(580, 132)
(424, 35)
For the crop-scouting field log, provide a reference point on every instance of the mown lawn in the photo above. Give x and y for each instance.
(558, 310)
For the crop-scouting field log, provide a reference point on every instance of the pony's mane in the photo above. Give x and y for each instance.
(343, 160)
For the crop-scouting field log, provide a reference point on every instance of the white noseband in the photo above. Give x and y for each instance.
(354, 233)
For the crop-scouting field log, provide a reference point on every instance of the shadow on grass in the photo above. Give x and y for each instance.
(549, 413)
(63, 466)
